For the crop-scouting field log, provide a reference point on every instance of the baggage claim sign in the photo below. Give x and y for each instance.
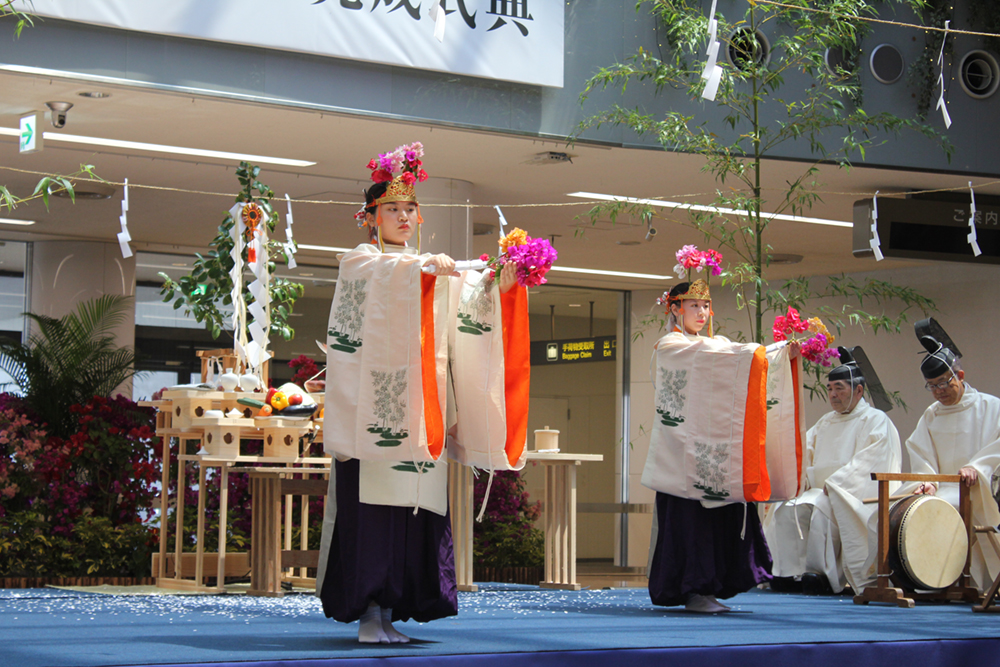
(578, 350)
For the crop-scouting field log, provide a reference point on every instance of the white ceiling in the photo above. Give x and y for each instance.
(175, 220)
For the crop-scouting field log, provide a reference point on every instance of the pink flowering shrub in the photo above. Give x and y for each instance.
(506, 536)
(79, 504)
(20, 446)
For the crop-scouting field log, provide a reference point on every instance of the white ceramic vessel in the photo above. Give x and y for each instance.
(229, 380)
(249, 382)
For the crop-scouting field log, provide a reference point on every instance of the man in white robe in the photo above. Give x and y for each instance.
(959, 434)
(822, 535)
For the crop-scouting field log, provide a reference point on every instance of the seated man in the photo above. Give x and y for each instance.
(958, 434)
(822, 535)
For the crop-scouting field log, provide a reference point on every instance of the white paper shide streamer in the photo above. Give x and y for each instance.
(289, 245)
(875, 243)
(437, 14)
(251, 323)
(941, 104)
(971, 236)
(712, 74)
(123, 236)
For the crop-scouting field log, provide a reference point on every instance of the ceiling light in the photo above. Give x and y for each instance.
(574, 305)
(707, 209)
(322, 248)
(161, 148)
(617, 274)
(94, 94)
(12, 221)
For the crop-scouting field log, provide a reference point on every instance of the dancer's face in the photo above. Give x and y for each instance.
(694, 314)
(399, 222)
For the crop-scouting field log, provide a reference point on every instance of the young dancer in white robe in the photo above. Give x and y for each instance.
(823, 532)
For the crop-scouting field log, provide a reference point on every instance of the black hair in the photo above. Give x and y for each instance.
(678, 289)
(371, 194)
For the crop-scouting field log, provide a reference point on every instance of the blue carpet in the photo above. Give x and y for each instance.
(509, 625)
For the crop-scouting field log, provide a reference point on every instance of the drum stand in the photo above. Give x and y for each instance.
(989, 600)
(883, 591)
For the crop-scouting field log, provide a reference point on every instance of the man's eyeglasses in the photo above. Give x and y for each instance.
(940, 385)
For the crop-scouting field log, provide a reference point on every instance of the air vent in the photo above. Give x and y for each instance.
(979, 74)
(886, 63)
(839, 62)
(746, 46)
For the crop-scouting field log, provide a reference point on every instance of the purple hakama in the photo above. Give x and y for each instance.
(389, 556)
(699, 551)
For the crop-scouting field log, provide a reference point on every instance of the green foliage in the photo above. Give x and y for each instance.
(23, 19)
(827, 114)
(47, 186)
(209, 284)
(71, 360)
(95, 548)
(506, 537)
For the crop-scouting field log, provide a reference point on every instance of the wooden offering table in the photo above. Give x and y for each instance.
(883, 591)
(559, 518)
(267, 558)
(184, 414)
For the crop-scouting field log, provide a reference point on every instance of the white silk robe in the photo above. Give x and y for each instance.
(948, 438)
(828, 533)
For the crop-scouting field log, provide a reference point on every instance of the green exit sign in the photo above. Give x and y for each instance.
(30, 140)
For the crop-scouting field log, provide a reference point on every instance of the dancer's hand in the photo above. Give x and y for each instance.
(508, 277)
(443, 265)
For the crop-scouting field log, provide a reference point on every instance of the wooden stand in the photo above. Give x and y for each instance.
(882, 591)
(460, 500)
(560, 517)
(988, 602)
(267, 559)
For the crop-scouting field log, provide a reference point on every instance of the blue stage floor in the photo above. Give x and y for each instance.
(502, 624)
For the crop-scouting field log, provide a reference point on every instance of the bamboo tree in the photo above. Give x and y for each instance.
(759, 121)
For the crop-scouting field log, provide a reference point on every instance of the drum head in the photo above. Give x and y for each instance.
(933, 543)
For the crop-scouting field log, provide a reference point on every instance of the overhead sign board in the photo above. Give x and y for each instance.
(919, 228)
(511, 40)
(578, 350)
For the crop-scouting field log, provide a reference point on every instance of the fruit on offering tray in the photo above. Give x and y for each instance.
(288, 400)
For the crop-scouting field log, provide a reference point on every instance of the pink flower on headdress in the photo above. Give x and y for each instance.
(381, 175)
(422, 176)
(411, 156)
(373, 164)
(712, 259)
(408, 178)
(688, 256)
